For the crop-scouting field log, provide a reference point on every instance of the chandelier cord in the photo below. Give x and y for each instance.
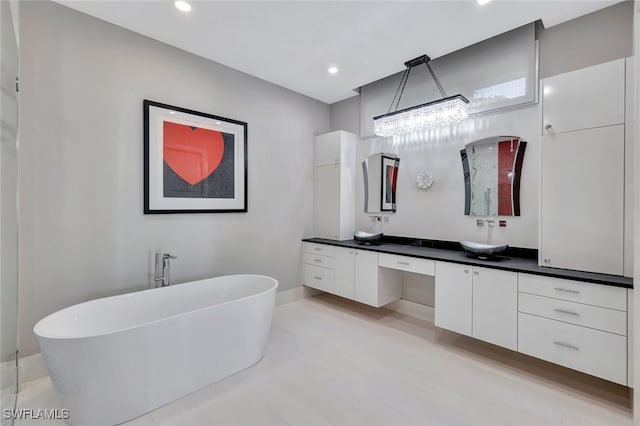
(400, 89)
(435, 79)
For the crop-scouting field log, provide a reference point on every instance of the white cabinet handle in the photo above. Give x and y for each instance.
(466, 271)
(563, 311)
(317, 260)
(317, 278)
(566, 345)
(566, 290)
(317, 249)
(476, 273)
(404, 263)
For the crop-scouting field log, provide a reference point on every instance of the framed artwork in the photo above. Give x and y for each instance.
(389, 183)
(193, 162)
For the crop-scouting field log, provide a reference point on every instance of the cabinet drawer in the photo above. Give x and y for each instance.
(319, 260)
(405, 263)
(591, 351)
(319, 278)
(590, 316)
(575, 291)
(323, 249)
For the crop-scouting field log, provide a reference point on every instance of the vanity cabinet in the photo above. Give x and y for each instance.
(334, 185)
(350, 273)
(578, 325)
(478, 302)
(582, 170)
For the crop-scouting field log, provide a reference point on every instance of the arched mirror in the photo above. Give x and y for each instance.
(492, 168)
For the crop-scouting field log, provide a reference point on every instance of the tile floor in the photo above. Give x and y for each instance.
(335, 362)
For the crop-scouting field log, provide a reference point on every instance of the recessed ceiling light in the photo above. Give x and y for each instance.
(332, 70)
(481, 2)
(182, 5)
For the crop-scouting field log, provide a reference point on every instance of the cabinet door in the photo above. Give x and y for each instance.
(327, 202)
(327, 149)
(453, 297)
(366, 277)
(344, 276)
(582, 200)
(583, 99)
(495, 307)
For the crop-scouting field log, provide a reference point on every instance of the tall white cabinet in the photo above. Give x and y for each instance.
(582, 175)
(334, 185)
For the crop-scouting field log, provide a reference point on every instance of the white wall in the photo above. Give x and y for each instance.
(82, 231)
(438, 213)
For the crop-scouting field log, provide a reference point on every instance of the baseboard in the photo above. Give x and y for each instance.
(416, 310)
(32, 367)
(293, 294)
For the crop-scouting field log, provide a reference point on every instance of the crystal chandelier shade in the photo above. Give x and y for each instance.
(426, 116)
(441, 112)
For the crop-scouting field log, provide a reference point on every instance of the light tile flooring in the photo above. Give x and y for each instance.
(335, 362)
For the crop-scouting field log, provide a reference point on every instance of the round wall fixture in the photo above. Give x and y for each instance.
(424, 180)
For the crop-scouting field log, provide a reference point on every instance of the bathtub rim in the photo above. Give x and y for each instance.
(273, 288)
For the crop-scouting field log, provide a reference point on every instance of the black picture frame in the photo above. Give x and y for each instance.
(194, 162)
(388, 185)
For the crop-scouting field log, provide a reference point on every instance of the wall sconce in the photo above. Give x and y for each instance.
(448, 110)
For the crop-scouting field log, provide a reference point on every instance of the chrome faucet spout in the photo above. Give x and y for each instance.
(163, 269)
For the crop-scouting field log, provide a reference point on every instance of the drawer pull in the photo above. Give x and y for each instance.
(317, 278)
(404, 263)
(566, 290)
(476, 273)
(317, 249)
(567, 345)
(563, 311)
(466, 271)
(317, 260)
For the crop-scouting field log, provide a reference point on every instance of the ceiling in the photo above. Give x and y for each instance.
(293, 43)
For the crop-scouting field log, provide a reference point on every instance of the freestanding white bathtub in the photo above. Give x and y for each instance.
(116, 358)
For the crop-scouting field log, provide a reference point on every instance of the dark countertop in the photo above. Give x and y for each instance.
(507, 263)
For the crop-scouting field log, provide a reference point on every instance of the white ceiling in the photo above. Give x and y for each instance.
(292, 43)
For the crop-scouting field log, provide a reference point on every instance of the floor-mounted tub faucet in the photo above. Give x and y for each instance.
(163, 270)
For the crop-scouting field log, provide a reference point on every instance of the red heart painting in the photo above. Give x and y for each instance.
(191, 152)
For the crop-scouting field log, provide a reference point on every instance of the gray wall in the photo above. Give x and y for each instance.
(598, 37)
(82, 231)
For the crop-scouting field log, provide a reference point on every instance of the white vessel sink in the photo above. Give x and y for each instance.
(483, 250)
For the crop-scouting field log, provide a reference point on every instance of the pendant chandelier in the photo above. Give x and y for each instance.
(441, 112)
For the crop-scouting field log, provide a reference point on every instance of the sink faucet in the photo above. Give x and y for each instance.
(163, 271)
